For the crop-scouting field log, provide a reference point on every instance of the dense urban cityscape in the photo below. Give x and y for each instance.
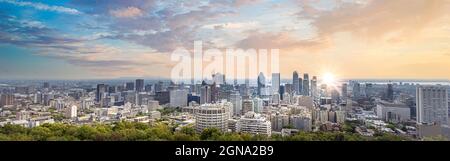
(272, 109)
(224, 70)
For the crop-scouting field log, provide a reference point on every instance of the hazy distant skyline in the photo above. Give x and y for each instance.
(82, 39)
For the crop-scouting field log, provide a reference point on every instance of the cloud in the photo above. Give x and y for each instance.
(282, 40)
(102, 59)
(245, 2)
(128, 12)
(103, 7)
(232, 25)
(44, 7)
(377, 18)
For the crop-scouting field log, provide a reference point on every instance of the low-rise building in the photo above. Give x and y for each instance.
(254, 123)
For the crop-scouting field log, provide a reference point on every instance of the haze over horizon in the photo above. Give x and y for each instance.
(360, 39)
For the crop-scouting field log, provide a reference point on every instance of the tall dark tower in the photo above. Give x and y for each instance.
(139, 85)
(46, 85)
(300, 86)
(129, 86)
(390, 93)
(295, 83)
(306, 84)
(356, 90)
(101, 88)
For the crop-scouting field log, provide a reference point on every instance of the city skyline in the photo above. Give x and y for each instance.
(367, 39)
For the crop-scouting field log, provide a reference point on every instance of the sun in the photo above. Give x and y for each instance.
(329, 78)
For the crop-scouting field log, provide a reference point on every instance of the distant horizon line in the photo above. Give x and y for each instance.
(268, 78)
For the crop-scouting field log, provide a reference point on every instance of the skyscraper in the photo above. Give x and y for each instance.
(101, 89)
(275, 83)
(295, 83)
(6, 99)
(344, 91)
(356, 90)
(214, 93)
(432, 104)
(261, 83)
(314, 92)
(129, 86)
(236, 100)
(139, 85)
(300, 86)
(390, 93)
(205, 94)
(306, 84)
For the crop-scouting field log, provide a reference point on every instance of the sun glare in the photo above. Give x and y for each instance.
(329, 79)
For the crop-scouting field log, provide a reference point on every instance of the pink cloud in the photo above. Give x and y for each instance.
(128, 12)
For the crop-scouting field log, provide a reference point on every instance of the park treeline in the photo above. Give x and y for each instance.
(134, 131)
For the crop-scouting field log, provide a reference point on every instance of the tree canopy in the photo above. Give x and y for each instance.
(133, 131)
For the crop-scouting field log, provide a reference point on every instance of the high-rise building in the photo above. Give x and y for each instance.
(390, 93)
(356, 90)
(300, 86)
(295, 83)
(214, 93)
(276, 98)
(275, 83)
(314, 92)
(258, 105)
(71, 111)
(432, 104)
(6, 99)
(38, 98)
(286, 98)
(163, 97)
(261, 83)
(139, 85)
(236, 100)
(101, 89)
(178, 98)
(46, 85)
(254, 123)
(282, 91)
(129, 86)
(205, 94)
(212, 116)
(306, 84)
(344, 92)
(247, 105)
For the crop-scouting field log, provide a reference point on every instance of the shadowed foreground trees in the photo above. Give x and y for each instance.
(131, 131)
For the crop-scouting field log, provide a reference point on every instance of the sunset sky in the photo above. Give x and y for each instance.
(86, 39)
